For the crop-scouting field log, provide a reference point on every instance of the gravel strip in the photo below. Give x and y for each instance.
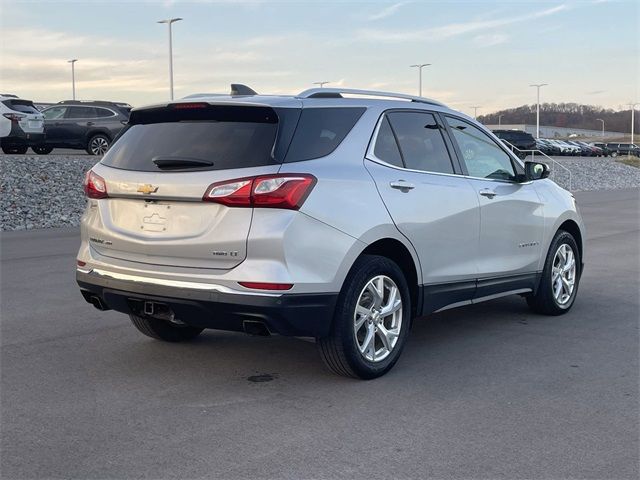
(46, 191)
(42, 191)
(594, 173)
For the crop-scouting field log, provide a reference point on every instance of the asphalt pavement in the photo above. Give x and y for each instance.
(486, 391)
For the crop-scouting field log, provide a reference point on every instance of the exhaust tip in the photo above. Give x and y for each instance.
(98, 303)
(253, 327)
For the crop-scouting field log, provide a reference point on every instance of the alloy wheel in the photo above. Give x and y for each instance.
(563, 274)
(99, 146)
(378, 318)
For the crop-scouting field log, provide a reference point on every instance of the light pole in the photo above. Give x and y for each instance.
(538, 86)
(601, 120)
(322, 84)
(633, 111)
(169, 22)
(500, 119)
(420, 66)
(475, 111)
(73, 77)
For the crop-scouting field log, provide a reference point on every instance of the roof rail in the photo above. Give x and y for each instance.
(336, 92)
(96, 102)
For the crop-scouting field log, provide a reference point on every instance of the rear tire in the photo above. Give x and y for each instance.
(546, 301)
(42, 149)
(368, 331)
(163, 330)
(98, 144)
(15, 150)
(614, 154)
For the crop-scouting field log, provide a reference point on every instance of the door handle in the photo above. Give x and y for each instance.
(402, 185)
(90, 123)
(485, 192)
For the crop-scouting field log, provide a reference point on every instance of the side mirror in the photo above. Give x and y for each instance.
(535, 171)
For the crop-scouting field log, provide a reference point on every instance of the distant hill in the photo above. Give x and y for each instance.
(570, 115)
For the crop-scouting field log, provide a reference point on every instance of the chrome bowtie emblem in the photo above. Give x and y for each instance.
(147, 189)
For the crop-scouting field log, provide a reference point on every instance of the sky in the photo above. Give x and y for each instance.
(483, 53)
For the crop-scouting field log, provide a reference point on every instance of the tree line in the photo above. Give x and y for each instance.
(571, 115)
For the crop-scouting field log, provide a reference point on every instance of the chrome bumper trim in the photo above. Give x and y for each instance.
(208, 287)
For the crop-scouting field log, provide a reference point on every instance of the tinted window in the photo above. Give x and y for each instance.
(421, 143)
(81, 112)
(103, 113)
(229, 137)
(482, 156)
(386, 148)
(320, 131)
(54, 112)
(23, 106)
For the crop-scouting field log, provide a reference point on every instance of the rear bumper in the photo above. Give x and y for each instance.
(303, 315)
(18, 137)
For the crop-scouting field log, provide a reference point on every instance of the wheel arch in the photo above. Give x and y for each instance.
(572, 227)
(397, 251)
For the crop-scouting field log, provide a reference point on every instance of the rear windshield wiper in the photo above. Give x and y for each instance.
(169, 163)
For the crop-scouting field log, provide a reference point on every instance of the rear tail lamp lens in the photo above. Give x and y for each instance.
(287, 191)
(94, 185)
(14, 117)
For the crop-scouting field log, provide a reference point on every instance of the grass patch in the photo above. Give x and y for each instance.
(629, 160)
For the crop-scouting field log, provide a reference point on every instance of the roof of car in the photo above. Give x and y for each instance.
(317, 97)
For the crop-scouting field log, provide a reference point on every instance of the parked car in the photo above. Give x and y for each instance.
(305, 215)
(593, 150)
(583, 150)
(623, 149)
(547, 147)
(86, 125)
(21, 124)
(521, 140)
(566, 148)
(606, 151)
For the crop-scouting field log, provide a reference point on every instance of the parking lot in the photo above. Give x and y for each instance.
(489, 391)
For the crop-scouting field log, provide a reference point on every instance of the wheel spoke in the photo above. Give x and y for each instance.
(377, 294)
(363, 316)
(387, 337)
(393, 304)
(368, 345)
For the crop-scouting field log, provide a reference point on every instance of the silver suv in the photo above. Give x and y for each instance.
(334, 214)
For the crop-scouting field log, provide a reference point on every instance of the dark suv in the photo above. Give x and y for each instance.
(623, 149)
(90, 126)
(519, 139)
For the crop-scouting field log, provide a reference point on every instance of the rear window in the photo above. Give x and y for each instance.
(226, 137)
(320, 131)
(23, 106)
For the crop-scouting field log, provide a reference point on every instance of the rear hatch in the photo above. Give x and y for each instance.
(157, 172)
(31, 119)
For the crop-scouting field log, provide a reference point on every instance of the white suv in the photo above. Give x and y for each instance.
(322, 216)
(21, 124)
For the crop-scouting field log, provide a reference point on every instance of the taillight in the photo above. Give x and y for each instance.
(94, 185)
(14, 117)
(189, 105)
(288, 191)
(267, 286)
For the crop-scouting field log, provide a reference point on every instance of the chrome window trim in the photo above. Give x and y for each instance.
(372, 157)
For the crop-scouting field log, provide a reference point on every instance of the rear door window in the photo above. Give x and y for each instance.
(216, 137)
(320, 131)
(421, 142)
(81, 112)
